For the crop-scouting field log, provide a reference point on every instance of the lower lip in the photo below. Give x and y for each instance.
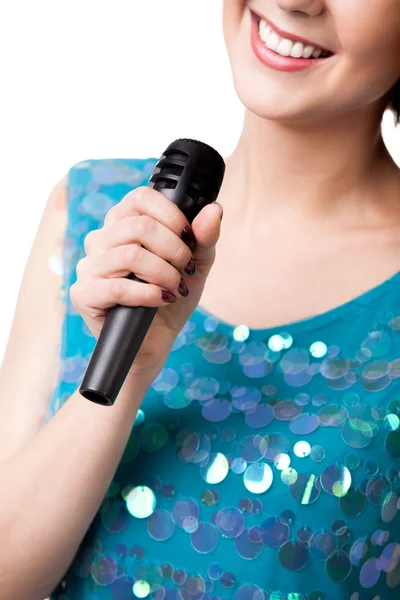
(273, 59)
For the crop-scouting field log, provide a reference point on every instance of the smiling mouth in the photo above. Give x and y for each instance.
(290, 46)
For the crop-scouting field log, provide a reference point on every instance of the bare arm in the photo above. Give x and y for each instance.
(54, 477)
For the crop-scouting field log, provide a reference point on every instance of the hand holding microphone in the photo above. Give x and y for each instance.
(147, 235)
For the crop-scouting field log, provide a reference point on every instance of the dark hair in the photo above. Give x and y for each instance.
(394, 103)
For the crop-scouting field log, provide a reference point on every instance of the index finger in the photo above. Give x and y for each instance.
(147, 201)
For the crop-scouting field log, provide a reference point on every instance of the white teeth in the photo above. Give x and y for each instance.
(284, 46)
(308, 50)
(273, 41)
(297, 50)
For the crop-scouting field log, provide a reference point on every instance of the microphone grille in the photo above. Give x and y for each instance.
(192, 170)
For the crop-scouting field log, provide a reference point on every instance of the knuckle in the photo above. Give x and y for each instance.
(74, 294)
(183, 255)
(128, 254)
(174, 278)
(117, 289)
(111, 215)
(150, 294)
(81, 267)
(139, 193)
(146, 225)
(89, 241)
(177, 220)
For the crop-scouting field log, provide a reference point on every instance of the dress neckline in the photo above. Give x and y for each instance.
(346, 309)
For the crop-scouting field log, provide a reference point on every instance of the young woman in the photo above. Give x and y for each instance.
(253, 451)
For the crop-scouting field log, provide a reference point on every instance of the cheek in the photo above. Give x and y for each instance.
(370, 41)
(231, 17)
(373, 66)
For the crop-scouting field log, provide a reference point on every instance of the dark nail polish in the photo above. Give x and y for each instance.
(190, 268)
(183, 288)
(168, 296)
(188, 237)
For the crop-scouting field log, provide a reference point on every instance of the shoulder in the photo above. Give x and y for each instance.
(92, 174)
(94, 185)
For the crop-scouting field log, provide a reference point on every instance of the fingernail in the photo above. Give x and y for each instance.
(222, 210)
(168, 296)
(188, 237)
(183, 288)
(191, 268)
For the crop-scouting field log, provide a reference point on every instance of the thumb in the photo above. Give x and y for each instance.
(206, 228)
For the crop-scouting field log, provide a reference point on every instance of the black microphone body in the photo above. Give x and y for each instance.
(190, 174)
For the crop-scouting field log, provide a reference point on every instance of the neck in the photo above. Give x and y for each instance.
(332, 169)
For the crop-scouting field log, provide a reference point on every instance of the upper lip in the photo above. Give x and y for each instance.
(290, 36)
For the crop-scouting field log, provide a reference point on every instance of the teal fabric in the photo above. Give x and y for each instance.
(263, 464)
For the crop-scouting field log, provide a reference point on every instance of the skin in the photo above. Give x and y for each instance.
(310, 183)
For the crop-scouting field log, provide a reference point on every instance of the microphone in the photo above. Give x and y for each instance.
(190, 174)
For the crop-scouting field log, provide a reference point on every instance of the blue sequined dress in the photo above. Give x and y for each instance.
(263, 464)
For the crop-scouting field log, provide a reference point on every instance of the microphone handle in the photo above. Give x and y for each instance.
(122, 334)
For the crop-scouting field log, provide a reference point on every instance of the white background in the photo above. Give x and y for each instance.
(87, 79)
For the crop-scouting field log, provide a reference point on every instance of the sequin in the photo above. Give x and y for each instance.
(378, 489)
(121, 588)
(369, 573)
(306, 488)
(104, 570)
(392, 422)
(289, 476)
(214, 571)
(193, 588)
(273, 444)
(317, 453)
(338, 566)
(323, 544)
(153, 437)
(249, 592)
(275, 532)
(216, 468)
(114, 515)
(141, 502)
(276, 343)
(161, 525)
(241, 333)
(353, 503)
(351, 461)
(228, 580)
(302, 449)
(259, 417)
(318, 349)
(248, 546)
(304, 534)
(392, 443)
(282, 461)
(249, 449)
(205, 538)
(357, 433)
(184, 509)
(304, 424)
(258, 478)
(141, 588)
(336, 480)
(246, 505)
(216, 410)
(293, 556)
(389, 507)
(230, 522)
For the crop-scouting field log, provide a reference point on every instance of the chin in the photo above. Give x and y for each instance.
(275, 103)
